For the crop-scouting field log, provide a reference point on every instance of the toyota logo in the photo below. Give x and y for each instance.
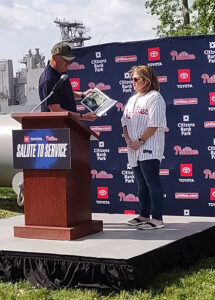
(74, 84)
(213, 98)
(184, 75)
(213, 194)
(102, 193)
(153, 53)
(186, 170)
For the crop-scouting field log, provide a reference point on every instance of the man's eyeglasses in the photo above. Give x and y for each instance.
(135, 79)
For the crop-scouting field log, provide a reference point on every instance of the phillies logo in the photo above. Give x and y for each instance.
(212, 194)
(122, 150)
(102, 192)
(120, 106)
(26, 139)
(75, 83)
(212, 98)
(101, 86)
(153, 54)
(76, 66)
(184, 75)
(186, 170)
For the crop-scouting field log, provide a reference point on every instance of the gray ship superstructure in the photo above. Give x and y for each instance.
(20, 93)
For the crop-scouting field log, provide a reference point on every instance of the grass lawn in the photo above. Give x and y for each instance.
(194, 283)
(8, 205)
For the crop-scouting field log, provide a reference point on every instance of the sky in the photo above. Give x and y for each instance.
(29, 24)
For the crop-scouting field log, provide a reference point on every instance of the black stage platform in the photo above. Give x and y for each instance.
(120, 257)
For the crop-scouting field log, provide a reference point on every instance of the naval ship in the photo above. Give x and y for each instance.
(20, 93)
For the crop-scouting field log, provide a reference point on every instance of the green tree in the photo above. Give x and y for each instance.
(204, 20)
(176, 18)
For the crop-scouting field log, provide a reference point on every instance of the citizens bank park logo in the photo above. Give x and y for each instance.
(75, 83)
(209, 124)
(153, 54)
(102, 192)
(186, 195)
(212, 98)
(128, 58)
(212, 194)
(185, 101)
(184, 75)
(186, 170)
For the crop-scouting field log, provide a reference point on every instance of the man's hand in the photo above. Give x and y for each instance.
(90, 116)
(87, 92)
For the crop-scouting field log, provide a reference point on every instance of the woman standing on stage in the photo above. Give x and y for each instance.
(143, 122)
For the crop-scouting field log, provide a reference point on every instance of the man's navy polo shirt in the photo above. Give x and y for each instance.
(63, 96)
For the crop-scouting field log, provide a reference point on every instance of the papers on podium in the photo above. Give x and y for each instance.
(98, 102)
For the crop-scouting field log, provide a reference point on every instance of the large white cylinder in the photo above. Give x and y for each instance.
(7, 172)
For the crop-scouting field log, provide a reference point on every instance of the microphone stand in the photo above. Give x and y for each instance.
(52, 92)
(56, 86)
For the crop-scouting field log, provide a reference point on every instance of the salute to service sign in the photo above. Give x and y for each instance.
(41, 149)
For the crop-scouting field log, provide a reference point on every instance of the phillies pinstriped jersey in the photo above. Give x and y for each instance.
(142, 112)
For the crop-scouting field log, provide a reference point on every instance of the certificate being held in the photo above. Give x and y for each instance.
(98, 102)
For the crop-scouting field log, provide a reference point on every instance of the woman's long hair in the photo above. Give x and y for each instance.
(148, 74)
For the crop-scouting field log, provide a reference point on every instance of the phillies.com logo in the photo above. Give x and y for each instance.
(26, 139)
(102, 192)
(75, 83)
(184, 75)
(212, 98)
(186, 170)
(153, 54)
(212, 194)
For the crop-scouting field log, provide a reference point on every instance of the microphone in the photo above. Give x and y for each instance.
(59, 83)
(63, 77)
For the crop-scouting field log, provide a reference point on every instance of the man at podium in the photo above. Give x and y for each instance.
(54, 84)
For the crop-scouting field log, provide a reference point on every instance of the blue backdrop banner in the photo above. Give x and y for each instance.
(185, 68)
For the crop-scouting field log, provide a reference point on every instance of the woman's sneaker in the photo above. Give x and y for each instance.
(138, 221)
(152, 224)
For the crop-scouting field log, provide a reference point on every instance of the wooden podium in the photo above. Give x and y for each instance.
(58, 202)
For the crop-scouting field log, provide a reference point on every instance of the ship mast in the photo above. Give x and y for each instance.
(72, 32)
